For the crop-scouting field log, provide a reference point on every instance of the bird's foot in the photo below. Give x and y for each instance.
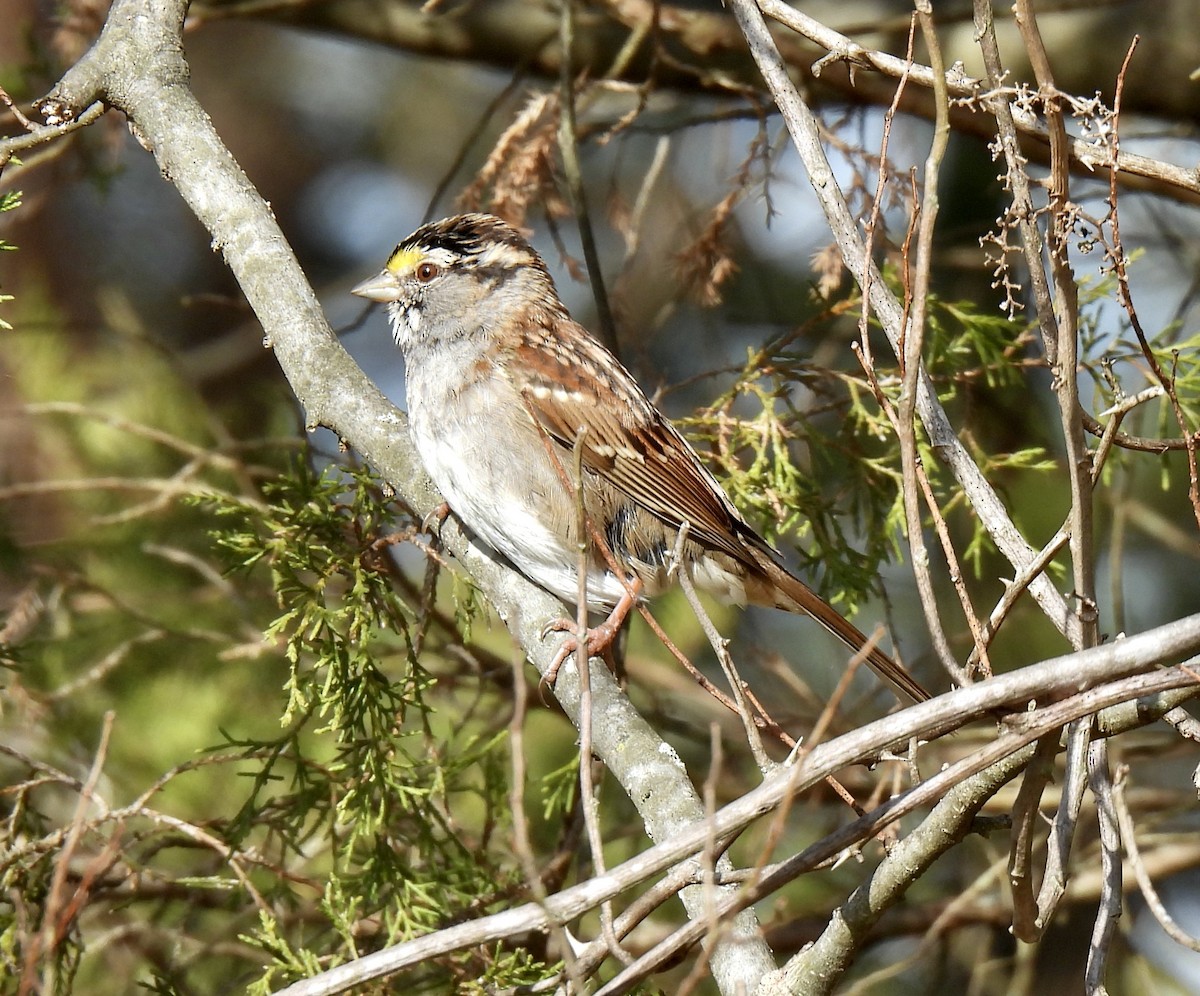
(598, 640)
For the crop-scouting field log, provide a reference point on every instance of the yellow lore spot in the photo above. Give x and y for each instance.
(403, 260)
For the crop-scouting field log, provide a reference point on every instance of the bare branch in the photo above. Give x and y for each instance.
(1062, 833)
(805, 132)
(998, 753)
(1060, 332)
(1145, 884)
(1105, 927)
(1133, 656)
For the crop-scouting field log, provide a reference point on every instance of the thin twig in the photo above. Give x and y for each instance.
(569, 149)
(959, 675)
(1062, 831)
(587, 787)
(472, 136)
(806, 136)
(1062, 351)
(910, 359)
(52, 929)
(1109, 910)
(1026, 819)
(16, 111)
(1145, 883)
(720, 647)
(1014, 589)
(1167, 382)
(105, 665)
(40, 134)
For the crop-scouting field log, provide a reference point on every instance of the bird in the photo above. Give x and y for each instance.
(505, 391)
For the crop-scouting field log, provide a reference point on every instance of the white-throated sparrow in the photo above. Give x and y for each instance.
(500, 380)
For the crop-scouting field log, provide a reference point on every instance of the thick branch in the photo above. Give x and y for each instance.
(1035, 725)
(822, 964)
(1077, 675)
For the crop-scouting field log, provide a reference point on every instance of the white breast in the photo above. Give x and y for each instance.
(500, 496)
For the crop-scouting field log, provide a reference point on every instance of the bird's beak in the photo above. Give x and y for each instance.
(383, 287)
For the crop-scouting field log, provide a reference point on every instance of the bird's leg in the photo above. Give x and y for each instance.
(599, 639)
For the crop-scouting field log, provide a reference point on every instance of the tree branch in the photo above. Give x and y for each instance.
(803, 126)
(1094, 680)
(516, 32)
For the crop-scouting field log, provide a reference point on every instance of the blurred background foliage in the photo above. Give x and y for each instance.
(295, 749)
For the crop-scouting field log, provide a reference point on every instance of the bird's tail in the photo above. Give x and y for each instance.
(786, 591)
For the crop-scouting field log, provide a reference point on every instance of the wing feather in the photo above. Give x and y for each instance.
(573, 381)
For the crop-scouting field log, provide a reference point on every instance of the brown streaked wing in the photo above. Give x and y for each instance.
(631, 444)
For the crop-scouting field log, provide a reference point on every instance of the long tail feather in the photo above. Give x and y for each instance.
(794, 595)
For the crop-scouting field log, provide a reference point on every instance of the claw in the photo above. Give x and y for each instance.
(569, 646)
(558, 626)
(432, 523)
(598, 639)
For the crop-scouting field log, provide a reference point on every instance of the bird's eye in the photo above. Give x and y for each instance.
(427, 271)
